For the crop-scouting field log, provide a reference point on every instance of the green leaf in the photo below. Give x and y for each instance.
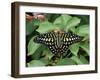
(52, 17)
(74, 21)
(32, 47)
(83, 30)
(85, 46)
(35, 63)
(44, 60)
(38, 52)
(79, 60)
(66, 61)
(74, 48)
(48, 54)
(76, 59)
(83, 60)
(42, 51)
(84, 19)
(62, 20)
(86, 38)
(73, 29)
(45, 27)
(31, 26)
(36, 22)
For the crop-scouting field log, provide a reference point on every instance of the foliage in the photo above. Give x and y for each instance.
(40, 55)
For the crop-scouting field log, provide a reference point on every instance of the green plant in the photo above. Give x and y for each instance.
(40, 55)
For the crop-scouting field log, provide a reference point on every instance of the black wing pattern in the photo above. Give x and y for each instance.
(57, 42)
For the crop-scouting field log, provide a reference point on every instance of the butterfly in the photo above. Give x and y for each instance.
(57, 42)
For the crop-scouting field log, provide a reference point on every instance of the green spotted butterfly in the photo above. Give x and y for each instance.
(57, 42)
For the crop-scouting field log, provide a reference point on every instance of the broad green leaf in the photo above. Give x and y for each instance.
(76, 59)
(31, 26)
(35, 63)
(32, 47)
(84, 19)
(83, 59)
(36, 22)
(74, 48)
(62, 20)
(79, 60)
(52, 17)
(42, 51)
(74, 21)
(66, 61)
(44, 60)
(48, 54)
(83, 30)
(45, 27)
(86, 38)
(38, 52)
(85, 46)
(73, 29)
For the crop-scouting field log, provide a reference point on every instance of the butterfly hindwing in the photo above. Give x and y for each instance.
(58, 51)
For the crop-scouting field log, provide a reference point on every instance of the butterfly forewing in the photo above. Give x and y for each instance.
(70, 38)
(46, 39)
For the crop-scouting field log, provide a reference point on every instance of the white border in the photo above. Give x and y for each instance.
(70, 68)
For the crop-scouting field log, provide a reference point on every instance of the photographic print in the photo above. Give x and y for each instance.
(56, 39)
(53, 39)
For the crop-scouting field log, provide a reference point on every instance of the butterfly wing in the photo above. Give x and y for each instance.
(57, 43)
(70, 38)
(46, 39)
